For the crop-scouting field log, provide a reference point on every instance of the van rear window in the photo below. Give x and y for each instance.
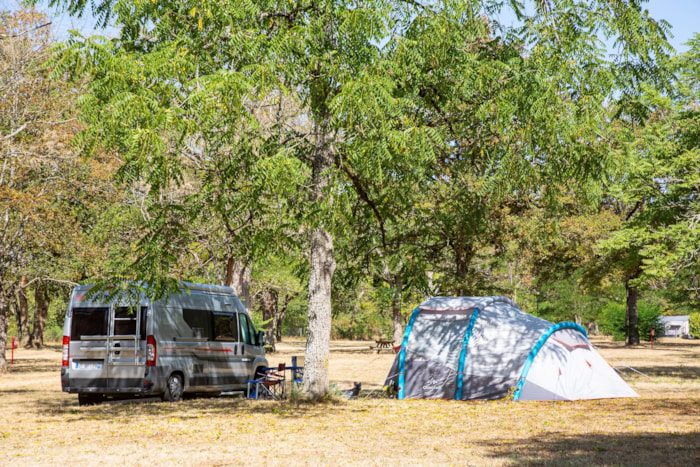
(88, 322)
(125, 321)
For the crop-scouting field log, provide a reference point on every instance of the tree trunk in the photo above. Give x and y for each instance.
(40, 314)
(355, 309)
(4, 322)
(631, 316)
(396, 317)
(278, 327)
(23, 330)
(280, 314)
(238, 272)
(463, 258)
(269, 314)
(321, 269)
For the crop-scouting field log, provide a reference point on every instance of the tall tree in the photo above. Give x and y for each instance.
(53, 205)
(24, 99)
(173, 88)
(656, 191)
(371, 85)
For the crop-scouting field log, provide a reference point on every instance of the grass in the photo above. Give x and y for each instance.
(40, 425)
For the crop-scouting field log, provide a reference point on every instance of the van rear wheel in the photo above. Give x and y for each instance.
(174, 389)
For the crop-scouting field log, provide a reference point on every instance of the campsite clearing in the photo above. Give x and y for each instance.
(41, 425)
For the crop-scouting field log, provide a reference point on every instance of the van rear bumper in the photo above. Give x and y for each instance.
(108, 385)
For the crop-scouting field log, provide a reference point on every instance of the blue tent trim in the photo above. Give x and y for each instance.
(538, 346)
(463, 354)
(402, 353)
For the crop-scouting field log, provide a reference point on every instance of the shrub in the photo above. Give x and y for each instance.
(694, 325)
(648, 318)
(614, 321)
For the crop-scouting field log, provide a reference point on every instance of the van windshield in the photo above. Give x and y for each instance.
(88, 322)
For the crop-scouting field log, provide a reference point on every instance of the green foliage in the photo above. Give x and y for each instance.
(694, 325)
(419, 135)
(655, 187)
(564, 300)
(614, 321)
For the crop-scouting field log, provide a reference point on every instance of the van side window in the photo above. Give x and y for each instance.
(247, 329)
(200, 321)
(224, 327)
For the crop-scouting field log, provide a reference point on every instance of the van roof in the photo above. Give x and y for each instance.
(220, 289)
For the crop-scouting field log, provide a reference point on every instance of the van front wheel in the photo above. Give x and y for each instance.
(174, 389)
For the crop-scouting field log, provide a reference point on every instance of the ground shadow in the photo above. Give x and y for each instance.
(34, 366)
(680, 371)
(625, 449)
(681, 345)
(194, 407)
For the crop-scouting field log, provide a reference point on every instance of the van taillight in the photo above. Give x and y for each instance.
(150, 351)
(66, 351)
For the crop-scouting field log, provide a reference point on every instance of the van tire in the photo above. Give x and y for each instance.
(85, 398)
(174, 388)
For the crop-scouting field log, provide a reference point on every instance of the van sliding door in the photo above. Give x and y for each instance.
(227, 360)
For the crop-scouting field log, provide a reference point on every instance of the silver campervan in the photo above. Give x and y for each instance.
(198, 340)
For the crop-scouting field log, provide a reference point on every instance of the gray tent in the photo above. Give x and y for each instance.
(486, 347)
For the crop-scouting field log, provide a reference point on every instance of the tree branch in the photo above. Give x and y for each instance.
(18, 130)
(357, 183)
(19, 34)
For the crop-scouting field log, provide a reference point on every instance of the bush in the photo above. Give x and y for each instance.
(648, 318)
(694, 325)
(53, 334)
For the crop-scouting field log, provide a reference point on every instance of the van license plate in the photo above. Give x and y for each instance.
(87, 365)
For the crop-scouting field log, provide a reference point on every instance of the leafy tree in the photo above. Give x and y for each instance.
(172, 89)
(543, 130)
(655, 192)
(694, 325)
(33, 174)
(391, 94)
(615, 322)
(51, 202)
(276, 286)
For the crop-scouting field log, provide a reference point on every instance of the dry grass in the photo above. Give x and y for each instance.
(41, 425)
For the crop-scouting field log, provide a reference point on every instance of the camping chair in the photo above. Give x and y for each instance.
(271, 385)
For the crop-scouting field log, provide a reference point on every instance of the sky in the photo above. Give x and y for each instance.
(684, 16)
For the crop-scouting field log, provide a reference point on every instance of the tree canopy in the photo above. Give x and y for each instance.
(416, 147)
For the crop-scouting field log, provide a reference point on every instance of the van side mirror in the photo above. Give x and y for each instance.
(260, 340)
